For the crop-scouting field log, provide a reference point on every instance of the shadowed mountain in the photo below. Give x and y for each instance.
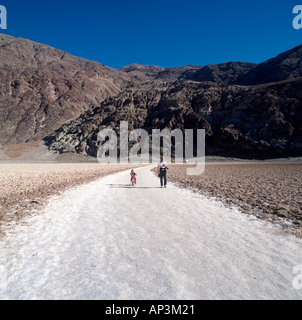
(287, 65)
(142, 72)
(248, 122)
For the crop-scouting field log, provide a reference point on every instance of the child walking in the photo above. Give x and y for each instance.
(133, 177)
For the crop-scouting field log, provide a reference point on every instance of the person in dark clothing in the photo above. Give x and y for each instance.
(162, 172)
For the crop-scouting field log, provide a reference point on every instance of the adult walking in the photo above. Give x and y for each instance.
(162, 169)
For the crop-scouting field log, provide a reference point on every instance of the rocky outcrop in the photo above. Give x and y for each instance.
(249, 122)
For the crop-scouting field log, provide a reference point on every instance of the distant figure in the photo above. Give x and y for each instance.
(162, 172)
(133, 177)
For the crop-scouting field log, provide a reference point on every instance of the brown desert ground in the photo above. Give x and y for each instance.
(268, 190)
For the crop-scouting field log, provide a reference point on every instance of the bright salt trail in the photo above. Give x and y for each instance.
(106, 240)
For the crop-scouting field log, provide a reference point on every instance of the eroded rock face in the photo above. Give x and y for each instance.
(249, 122)
(42, 88)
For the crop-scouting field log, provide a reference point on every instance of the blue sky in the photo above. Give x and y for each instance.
(159, 32)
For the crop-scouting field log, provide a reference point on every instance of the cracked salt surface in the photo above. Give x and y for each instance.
(107, 240)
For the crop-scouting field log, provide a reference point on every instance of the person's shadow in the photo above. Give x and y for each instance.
(127, 186)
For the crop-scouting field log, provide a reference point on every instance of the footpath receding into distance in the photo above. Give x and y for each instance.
(107, 240)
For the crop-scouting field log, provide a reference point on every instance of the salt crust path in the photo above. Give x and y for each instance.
(106, 240)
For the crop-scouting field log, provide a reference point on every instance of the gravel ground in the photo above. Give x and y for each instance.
(271, 191)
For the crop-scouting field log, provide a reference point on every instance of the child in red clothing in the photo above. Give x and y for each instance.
(133, 177)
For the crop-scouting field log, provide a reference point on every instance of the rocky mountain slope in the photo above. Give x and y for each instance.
(43, 87)
(248, 110)
(251, 122)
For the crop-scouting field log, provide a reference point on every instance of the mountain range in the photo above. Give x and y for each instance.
(248, 110)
